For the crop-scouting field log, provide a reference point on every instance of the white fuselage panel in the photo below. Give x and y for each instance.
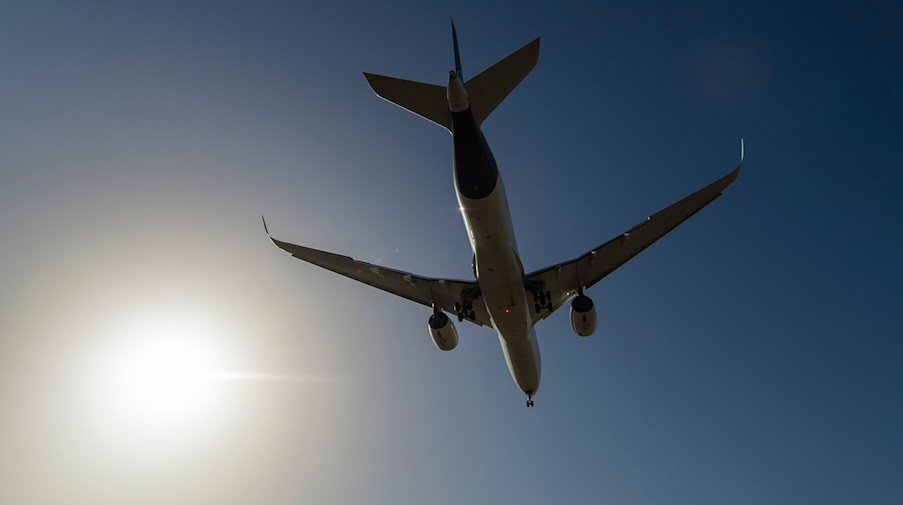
(500, 276)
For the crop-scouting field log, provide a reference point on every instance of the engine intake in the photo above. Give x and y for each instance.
(443, 332)
(583, 316)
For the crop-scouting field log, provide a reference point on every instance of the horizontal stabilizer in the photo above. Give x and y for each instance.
(487, 90)
(426, 100)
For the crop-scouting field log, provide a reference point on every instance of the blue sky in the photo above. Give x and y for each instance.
(751, 356)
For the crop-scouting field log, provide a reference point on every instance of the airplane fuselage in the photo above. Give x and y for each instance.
(499, 271)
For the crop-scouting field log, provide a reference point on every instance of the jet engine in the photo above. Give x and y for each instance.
(583, 316)
(443, 332)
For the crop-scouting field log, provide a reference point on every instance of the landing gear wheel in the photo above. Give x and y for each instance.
(529, 400)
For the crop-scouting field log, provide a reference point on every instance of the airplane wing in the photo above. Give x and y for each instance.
(454, 297)
(552, 287)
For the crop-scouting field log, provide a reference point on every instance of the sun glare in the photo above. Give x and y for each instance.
(163, 376)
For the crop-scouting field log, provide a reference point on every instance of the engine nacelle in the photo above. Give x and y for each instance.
(583, 316)
(443, 332)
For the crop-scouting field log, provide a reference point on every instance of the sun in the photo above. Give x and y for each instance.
(162, 374)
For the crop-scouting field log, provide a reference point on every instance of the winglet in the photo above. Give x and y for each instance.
(280, 244)
(742, 158)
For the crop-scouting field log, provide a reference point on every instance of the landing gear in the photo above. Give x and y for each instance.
(529, 400)
(542, 300)
(465, 311)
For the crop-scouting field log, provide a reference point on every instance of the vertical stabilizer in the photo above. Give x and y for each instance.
(457, 54)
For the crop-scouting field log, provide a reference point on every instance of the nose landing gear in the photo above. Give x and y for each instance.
(529, 400)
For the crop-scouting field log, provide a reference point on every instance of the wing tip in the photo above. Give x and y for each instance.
(729, 179)
(277, 243)
(736, 172)
(742, 156)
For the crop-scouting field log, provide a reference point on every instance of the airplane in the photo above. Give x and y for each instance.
(501, 296)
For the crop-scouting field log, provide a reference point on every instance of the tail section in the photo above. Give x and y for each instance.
(490, 88)
(457, 54)
(484, 92)
(426, 100)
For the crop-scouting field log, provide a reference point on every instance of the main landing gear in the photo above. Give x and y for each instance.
(529, 400)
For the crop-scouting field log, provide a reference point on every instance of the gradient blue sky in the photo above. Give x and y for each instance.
(752, 356)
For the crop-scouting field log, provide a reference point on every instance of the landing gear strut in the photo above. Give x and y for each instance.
(529, 400)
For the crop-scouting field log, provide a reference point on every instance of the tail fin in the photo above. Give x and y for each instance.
(426, 100)
(457, 54)
(487, 90)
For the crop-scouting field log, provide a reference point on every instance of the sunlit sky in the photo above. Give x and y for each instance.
(752, 356)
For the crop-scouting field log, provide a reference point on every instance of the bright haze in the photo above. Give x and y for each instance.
(155, 347)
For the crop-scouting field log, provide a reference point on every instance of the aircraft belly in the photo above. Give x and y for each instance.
(499, 270)
(507, 305)
(501, 279)
(488, 221)
(522, 356)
